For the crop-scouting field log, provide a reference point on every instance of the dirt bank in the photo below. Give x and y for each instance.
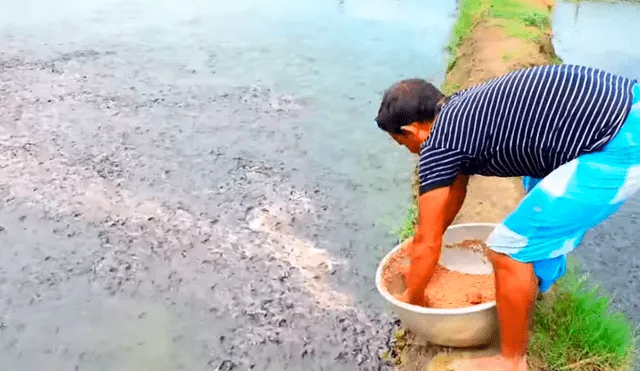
(491, 38)
(494, 47)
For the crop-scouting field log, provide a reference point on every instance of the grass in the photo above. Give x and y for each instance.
(525, 22)
(527, 15)
(407, 228)
(450, 88)
(470, 11)
(514, 28)
(577, 326)
(518, 20)
(556, 60)
(507, 56)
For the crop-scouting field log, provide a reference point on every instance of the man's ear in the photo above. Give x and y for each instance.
(410, 129)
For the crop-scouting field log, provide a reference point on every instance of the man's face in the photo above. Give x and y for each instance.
(408, 140)
(413, 135)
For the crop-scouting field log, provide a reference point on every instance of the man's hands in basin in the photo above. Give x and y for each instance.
(415, 297)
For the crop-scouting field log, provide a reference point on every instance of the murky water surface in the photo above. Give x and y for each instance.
(606, 36)
(602, 35)
(193, 185)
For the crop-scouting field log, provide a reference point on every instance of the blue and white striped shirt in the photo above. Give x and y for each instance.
(526, 123)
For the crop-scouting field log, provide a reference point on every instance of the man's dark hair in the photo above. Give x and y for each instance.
(406, 102)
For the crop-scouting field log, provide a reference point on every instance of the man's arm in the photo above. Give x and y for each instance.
(456, 198)
(436, 211)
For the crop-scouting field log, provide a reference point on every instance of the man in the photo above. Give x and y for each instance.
(572, 132)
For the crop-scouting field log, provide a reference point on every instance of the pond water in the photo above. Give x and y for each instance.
(605, 35)
(602, 35)
(215, 113)
(333, 58)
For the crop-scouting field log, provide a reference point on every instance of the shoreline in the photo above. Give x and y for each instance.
(494, 46)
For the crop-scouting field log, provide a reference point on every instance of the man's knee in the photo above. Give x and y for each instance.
(516, 273)
(507, 264)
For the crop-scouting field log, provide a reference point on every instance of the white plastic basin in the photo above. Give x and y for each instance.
(460, 327)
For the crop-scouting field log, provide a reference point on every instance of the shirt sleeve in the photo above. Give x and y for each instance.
(439, 167)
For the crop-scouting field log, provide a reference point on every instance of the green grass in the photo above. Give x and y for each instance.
(507, 56)
(556, 60)
(520, 21)
(515, 28)
(470, 11)
(577, 326)
(407, 228)
(450, 88)
(528, 15)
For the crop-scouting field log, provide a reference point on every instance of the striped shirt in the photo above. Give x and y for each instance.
(526, 123)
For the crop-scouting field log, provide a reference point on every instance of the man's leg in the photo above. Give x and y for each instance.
(528, 248)
(516, 290)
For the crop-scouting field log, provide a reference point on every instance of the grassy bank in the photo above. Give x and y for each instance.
(574, 328)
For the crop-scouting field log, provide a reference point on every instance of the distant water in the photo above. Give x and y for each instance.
(600, 35)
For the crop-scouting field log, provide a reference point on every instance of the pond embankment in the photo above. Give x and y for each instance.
(491, 38)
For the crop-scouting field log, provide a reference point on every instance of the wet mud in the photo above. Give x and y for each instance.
(169, 204)
(133, 238)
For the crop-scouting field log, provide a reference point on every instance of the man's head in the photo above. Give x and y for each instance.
(408, 110)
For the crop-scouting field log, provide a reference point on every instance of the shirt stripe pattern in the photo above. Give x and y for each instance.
(526, 123)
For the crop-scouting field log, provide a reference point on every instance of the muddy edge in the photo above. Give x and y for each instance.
(139, 231)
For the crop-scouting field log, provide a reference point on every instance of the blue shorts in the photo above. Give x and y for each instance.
(559, 209)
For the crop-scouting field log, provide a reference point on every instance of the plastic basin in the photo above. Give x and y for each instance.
(460, 327)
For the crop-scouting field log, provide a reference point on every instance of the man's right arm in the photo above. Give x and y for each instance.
(456, 198)
(427, 242)
(442, 192)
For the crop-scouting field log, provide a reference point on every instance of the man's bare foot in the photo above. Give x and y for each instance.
(496, 363)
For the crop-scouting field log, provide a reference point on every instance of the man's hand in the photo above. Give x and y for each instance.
(417, 299)
(405, 296)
